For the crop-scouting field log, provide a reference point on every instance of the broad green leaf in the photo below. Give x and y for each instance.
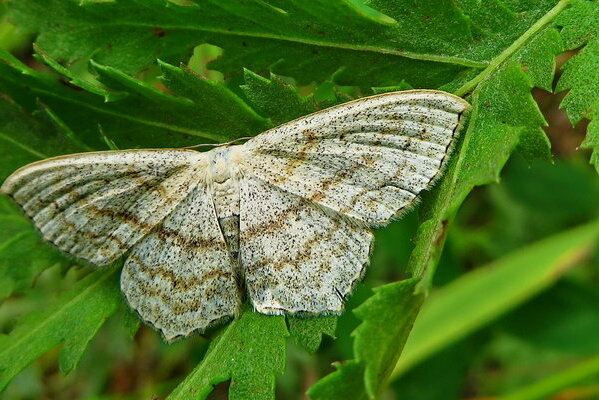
(482, 295)
(308, 331)
(215, 106)
(504, 116)
(275, 99)
(23, 254)
(250, 352)
(26, 139)
(377, 342)
(424, 43)
(73, 321)
(136, 114)
(580, 28)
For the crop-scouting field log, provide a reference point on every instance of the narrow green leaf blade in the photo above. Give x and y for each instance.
(476, 298)
(551, 385)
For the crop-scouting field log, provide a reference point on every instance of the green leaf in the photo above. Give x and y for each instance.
(504, 116)
(347, 382)
(275, 99)
(551, 385)
(250, 352)
(23, 254)
(135, 114)
(476, 298)
(26, 139)
(219, 110)
(377, 345)
(568, 326)
(424, 43)
(308, 331)
(73, 321)
(580, 27)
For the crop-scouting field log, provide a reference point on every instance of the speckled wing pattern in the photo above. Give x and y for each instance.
(287, 214)
(97, 206)
(367, 159)
(180, 278)
(298, 257)
(314, 186)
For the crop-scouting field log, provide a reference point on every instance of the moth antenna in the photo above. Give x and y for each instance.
(217, 144)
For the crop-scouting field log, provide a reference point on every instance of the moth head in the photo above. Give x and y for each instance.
(223, 163)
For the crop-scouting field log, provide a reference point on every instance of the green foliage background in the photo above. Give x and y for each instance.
(496, 267)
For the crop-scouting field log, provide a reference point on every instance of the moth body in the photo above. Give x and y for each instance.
(222, 182)
(283, 220)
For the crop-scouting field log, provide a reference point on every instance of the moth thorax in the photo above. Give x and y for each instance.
(224, 187)
(220, 167)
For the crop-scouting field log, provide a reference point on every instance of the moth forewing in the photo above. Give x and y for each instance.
(286, 215)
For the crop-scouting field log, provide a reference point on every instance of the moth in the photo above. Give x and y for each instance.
(284, 218)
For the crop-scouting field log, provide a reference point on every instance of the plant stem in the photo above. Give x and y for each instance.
(497, 61)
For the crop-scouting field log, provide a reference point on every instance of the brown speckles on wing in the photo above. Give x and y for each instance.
(297, 255)
(314, 186)
(95, 206)
(289, 211)
(181, 285)
(368, 159)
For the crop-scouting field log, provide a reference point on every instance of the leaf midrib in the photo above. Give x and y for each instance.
(322, 43)
(447, 201)
(496, 62)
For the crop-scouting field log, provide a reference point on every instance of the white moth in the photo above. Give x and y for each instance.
(285, 217)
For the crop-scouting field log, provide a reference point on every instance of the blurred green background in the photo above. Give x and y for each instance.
(550, 328)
